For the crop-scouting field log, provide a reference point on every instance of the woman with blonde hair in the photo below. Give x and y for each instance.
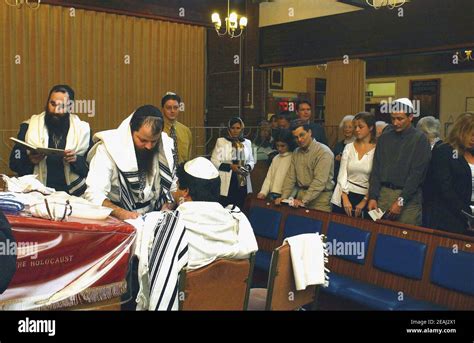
(452, 164)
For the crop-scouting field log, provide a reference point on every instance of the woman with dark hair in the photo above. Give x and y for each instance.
(452, 167)
(276, 174)
(350, 194)
(233, 157)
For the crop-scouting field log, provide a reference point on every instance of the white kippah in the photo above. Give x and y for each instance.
(201, 168)
(406, 102)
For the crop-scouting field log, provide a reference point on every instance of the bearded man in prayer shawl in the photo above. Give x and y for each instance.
(197, 233)
(55, 128)
(131, 167)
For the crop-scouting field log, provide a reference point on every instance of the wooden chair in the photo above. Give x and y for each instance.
(281, 293)
(222, 285)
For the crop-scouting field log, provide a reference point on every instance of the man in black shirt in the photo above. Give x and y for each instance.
(55, 128)
(400, 163)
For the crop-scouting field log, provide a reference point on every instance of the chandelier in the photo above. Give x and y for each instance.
(19, 3)
(233, 26)
(466, 57)
(391, 4)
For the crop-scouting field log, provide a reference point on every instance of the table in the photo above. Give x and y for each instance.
(65, 264)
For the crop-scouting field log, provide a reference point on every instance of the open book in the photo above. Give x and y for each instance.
(39, 150)
(376, 214)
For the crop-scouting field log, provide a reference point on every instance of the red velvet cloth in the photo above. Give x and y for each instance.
(78, 262)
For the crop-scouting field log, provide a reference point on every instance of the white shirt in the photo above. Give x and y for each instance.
(276, 174)
(356, 171)
(103, 180)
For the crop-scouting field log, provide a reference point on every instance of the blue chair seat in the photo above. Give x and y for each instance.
(372, 296)
(336, 283)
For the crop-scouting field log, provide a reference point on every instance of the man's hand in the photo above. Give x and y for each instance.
(35, 158)
(124, 214)
(372, 205)
(235, 168)
(338, 157)
(278, 201)
(261, 196)
(70, 156)
(394, 211)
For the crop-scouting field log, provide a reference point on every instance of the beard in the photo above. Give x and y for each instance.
(57, 125)
(145, 158)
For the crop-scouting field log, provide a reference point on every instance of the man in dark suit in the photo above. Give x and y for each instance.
(7, 260)
(303, 111)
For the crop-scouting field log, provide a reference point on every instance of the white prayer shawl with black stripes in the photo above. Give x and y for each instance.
(194, 235)
(163, 252)
(120, 148)
(77, 139)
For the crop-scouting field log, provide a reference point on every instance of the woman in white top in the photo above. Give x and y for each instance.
(350, 195)
(276, 174)
(233, 157)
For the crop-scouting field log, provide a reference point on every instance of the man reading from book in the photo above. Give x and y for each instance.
(58, 129)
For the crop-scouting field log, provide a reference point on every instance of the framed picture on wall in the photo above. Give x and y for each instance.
(276, 78)
(427, 93)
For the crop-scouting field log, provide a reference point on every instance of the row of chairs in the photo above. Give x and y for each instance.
(432, 269)
(225, 284)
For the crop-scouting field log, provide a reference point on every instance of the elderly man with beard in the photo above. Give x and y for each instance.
(131, 166)
(55, 128)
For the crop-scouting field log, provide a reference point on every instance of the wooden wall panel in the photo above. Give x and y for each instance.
(345, 92)
(87, 52)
